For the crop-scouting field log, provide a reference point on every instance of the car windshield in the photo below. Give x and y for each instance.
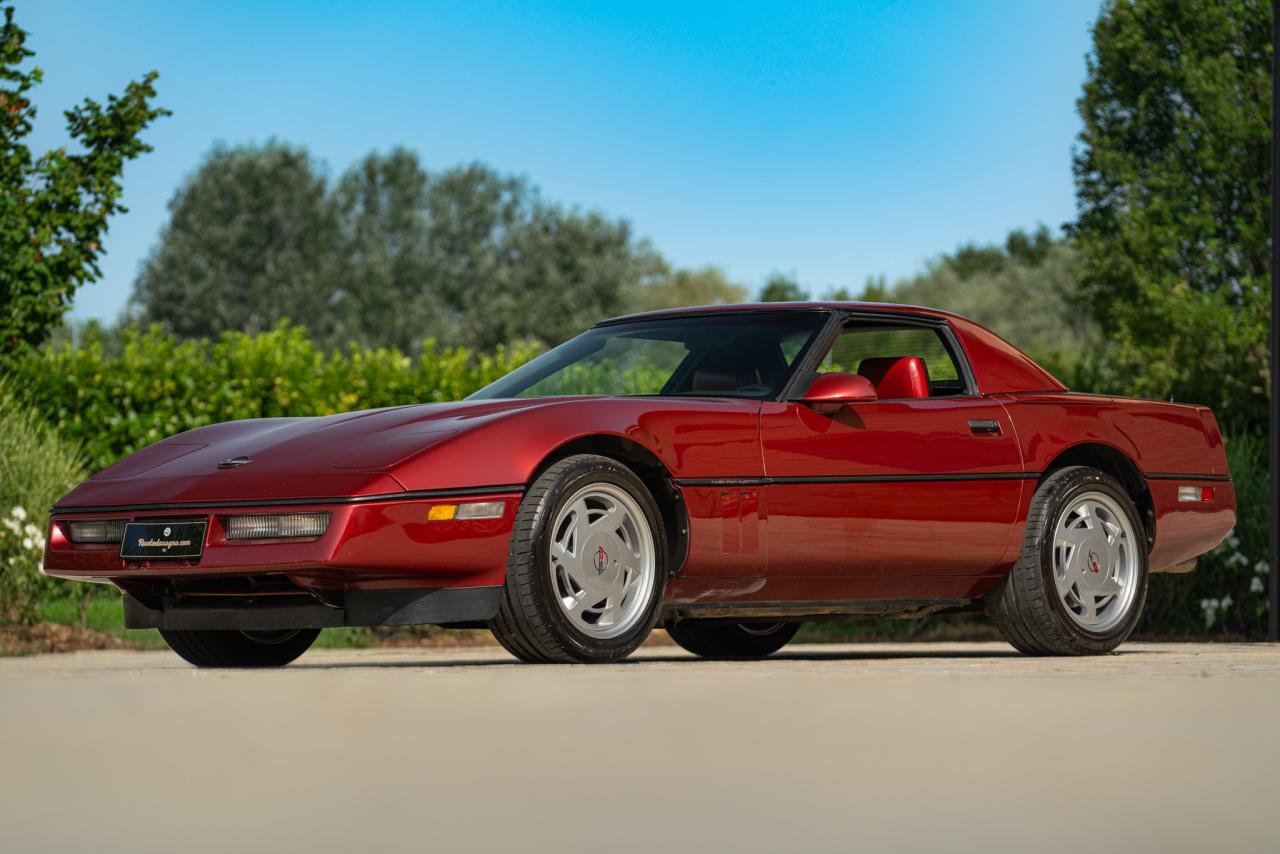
(748, 355)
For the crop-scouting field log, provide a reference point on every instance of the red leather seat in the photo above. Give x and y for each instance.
(896, 377)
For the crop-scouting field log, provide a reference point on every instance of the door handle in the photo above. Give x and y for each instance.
(984, 428)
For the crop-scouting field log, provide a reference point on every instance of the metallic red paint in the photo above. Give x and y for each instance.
(874, 500)
(837, 388)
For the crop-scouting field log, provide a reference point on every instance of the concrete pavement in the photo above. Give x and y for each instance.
(952, 747)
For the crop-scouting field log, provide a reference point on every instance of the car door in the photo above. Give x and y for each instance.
(909, 496)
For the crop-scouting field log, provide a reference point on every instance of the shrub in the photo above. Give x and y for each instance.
(157, 386)
(1227, 592)
(36, 467)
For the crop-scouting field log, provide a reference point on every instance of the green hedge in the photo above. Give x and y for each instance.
(157, 386)
(1227, 593)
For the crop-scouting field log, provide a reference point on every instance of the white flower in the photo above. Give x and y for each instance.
(1210, 608)
(1233, 540)
(1261, 568)
(27, 544)
(1226, 602)
(13, 525)
(1256, 585)
(19, 514)
(1237, 559)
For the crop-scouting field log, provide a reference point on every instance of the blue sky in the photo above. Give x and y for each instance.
(828, 141)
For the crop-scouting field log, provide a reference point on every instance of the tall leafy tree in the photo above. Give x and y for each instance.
(1026, 290)
(385, 294)
(54, 207)
(565, 270)
(390, 255)
(1172, 179)
(250, 241)
(782, 288)
(674, 288)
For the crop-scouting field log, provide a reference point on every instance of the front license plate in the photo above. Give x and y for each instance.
(163, 540)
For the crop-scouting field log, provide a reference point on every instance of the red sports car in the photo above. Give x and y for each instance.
(726, 472)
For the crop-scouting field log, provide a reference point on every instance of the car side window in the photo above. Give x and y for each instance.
(900, 361)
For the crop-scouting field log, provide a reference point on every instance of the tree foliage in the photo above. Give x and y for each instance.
(1025, 291)
(674, 288)
(54, 206)
(249, 243)
(1172, 181)
(392, 255)
(782, 288)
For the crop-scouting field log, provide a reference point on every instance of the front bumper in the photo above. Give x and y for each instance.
(387, 543)
(329, 609)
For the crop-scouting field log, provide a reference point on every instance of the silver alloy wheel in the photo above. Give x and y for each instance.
(602, 561)
(1095, 562)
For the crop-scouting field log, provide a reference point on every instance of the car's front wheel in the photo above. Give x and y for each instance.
(1079, 586)
(719, 639)
(240, 649)
(587, 567)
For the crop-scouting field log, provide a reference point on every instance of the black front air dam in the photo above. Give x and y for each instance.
(440, 606)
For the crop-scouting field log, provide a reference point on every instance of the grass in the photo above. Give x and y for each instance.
(106, 615)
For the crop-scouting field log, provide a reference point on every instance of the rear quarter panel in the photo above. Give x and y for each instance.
(1171, 444)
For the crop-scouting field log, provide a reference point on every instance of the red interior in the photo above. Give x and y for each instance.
(896, 377)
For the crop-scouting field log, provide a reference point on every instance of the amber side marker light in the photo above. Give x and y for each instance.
(1195, 493)
(473, 510)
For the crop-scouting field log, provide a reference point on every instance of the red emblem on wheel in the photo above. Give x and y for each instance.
(602, 559)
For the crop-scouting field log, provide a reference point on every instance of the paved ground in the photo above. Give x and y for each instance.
(960, 747)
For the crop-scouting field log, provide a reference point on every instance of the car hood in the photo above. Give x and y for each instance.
(351, 454)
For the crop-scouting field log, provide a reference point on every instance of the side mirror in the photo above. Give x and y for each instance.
(838, 388)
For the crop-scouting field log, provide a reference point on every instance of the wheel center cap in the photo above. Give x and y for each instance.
(600, 558)
(1094, 566)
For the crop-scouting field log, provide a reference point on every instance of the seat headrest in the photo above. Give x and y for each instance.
(896, 377)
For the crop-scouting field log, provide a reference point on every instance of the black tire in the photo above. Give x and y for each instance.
(530, 624)
(1026, 607)
(239, 649)
(717, 639)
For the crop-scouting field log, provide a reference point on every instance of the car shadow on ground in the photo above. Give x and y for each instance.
(487, 658)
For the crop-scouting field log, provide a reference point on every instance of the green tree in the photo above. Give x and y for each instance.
(250, 241)
(386, 295)
(1172, 181)
(392, 255)
(1029, 298)
(564, 271)
(675, 288)
(54, 207)
(781, 288)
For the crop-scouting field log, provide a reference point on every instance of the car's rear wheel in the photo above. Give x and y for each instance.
(240, 649)
(719, 639)
(587, 567)
(1079, 586)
